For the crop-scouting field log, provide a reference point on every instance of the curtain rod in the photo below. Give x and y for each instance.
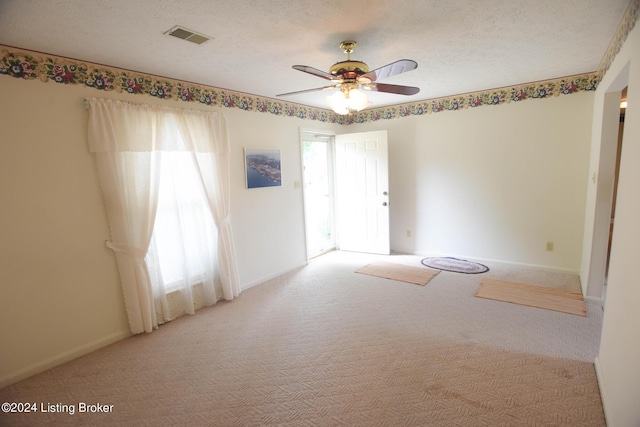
(159, 107)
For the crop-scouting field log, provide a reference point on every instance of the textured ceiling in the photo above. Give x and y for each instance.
(460, 45)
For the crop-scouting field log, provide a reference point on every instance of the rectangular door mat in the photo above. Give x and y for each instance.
(400, 272)
(533, 296)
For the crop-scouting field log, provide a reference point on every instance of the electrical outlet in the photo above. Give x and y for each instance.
(408, 233)
(549, 246)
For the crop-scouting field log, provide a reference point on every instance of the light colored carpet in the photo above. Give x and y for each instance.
(323, 346)
(399, 272)
(533, 296)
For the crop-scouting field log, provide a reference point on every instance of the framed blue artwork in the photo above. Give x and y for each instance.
(262, 167)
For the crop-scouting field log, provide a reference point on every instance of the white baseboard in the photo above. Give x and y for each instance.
(273, 276)
(59, 359)
(499, 261)
(603, 398)
(595, 300)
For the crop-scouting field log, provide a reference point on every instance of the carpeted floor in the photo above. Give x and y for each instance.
(323, 345)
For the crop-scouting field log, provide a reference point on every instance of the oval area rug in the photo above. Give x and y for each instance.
(454, 264)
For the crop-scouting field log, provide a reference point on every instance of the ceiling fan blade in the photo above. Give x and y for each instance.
(400, 90)
(315, 72)
(307, 90)
(389, 70)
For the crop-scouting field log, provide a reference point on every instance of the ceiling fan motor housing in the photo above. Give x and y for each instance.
(349, 70)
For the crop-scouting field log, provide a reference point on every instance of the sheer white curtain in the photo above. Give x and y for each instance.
(182, 256)
(136, 146)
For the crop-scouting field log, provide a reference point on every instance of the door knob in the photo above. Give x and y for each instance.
(384, 203)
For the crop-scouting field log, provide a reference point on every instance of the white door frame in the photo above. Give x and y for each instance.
(598, 220)
(306, 135)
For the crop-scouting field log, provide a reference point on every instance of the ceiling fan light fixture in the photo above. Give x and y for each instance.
(357, 100)
(344, 102)
(338, 103)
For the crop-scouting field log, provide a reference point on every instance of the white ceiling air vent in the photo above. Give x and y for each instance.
(185, 34)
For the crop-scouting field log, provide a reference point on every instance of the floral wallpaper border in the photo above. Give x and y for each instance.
(30, 65)
(626, 25)
(538, 90)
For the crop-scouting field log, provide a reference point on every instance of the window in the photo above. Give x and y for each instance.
(164, 173)
(184, 235)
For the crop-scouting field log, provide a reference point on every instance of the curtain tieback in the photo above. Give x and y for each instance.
(133, 252)
(224, 222)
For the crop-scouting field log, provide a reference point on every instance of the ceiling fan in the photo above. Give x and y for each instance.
(353, 77)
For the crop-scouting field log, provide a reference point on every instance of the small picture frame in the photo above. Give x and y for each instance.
(262, 167)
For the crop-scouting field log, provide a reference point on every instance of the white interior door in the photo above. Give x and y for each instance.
(362, 192)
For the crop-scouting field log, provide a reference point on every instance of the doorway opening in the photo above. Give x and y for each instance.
(345, 192)
(605, 144)
(623, 109)
(317, 167)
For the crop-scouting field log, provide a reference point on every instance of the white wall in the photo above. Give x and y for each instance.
(60, 295)
(618, 363)
(60, 291)
(268, 223)
(494, 182)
